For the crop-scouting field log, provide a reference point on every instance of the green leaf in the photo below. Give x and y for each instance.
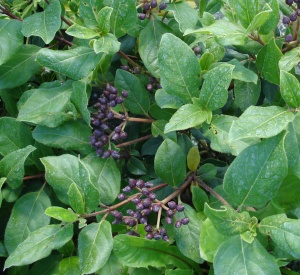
(138, 252)
(95, 243)
(290, 89)
(107, 43)
(138, 100)
(149, 41)
(210, 240)
(187, 236)
(3, 252)
(170, 163)
(260, 122)
(218, 134)
(136, 167)
(76, 198)
(11, 38)
(272, 21)
(69, 266)
(74, 172)
(46, 106)
(235, 256)
(71, 135)
(88, 11)
(81, 32)
(111, 267)
(165, 100)
(19, 68)
(61, 214)
(12, 166)
(43, 24)
(259, 20)
(2, 181)
(242, 73)
(104, 19)
(179, 68)
(123, 17)
(214, 92)
(267, 62)
(206, 60)
(14, 135)
(79, 98)
(184, 14)
(289, 60)
(292, 145)
(284, 232)
(199, 198)
(75, 63)
(105, 176)
(228, 221)
(187, 116)
(179, 271)
(39, 244)
(246, 93)
(27, 216)
(254, 177)
(226, 33)
(193, 158)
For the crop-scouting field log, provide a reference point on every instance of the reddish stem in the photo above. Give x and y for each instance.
(133, 141)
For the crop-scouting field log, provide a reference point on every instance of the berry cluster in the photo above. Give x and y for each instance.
(102, 134)
(145, 203)
(287, 20)
(147, 7)
(153, 84)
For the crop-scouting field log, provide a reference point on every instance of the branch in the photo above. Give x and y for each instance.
(34, 177)
(126, 57)
(137, 119)
(133, 141)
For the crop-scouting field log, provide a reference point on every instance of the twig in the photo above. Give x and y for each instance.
(127, 58)
(133, 141)
(137, 119)
(34, 176)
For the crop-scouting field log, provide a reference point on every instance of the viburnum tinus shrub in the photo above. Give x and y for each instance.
(149, 137)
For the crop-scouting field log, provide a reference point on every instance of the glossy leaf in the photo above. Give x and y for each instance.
(27, 216)
(88, 11)
(76, 198)
(179, 68)
(240, 72)
(199, 198)
(237, 256)
(107, 44)
(187, 116)
(76, 63)
(104, 19)
(61, 214)
(210, 240)
(46, 106)
(289, 60)
(157, 128)
(19, 68)
(259, 19)
(214, 92)
(187, 236)
(290, 89)
(39, 244)
(284, 232)
(149, 40)
(138, 100)
(138, 252)
(14, 135)
(227, 221)
(170, 162)
(71, 135)
(272, 21)
(43, 24)
(267, 62)
(193, 158)
(254, 177)
(69, 266)
(11, 38)
(105, 176)
(123, 17)
(95, 243)
(111, 267)
(260, 122)
(81, 32)
(12, 166)
(184, 14)
(165, 100)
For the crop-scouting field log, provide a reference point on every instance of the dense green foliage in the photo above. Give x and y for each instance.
(149, 137)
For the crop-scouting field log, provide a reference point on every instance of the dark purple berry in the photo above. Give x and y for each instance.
(104, 138)
(141, 16)
(119, 100)
(286, 20)
(115, 136)
(99, 144)
(168, 220)
(99, 152)
(110, 115)
(148, 184)
(157, 236)
(145, 191)
(106, 154)
(139, 206)
(112, 96)
(153, 4)
(104, 126)
(172, 205)
(163, 6)
(119, 216)
(124, 67)
(166, 238)
(197, 49)
(132, 183)
(112, 103)
(149, 87)
(170, 213)
(136, 70)
(180, 207)
(289, 38)
(152, 196)
(158, 86)
(146, 7)
(289, 2)
(298, 12)
(127, 189)
(137, 215)
(149, 236)
(140, 183)
(163, 231)
(185, 221)
(148, 228)
(143, 220)
(130, 212)
(114, 213)
(121, 197)
(115, 154)
(147, 202)
(123, 135)
(103, 100)
(177, 224)
(136, 200)
(116, 221)
(132, 222)
(293, 17)
(155, 207)
(124, 93)
(118, 129)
